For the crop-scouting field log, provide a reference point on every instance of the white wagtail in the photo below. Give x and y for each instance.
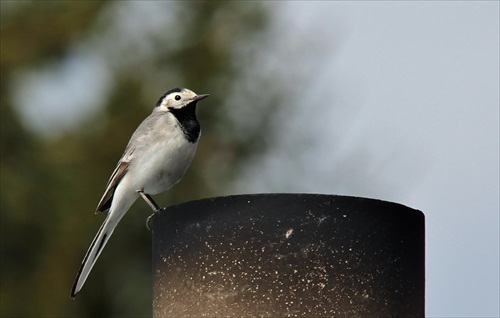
(157, 156)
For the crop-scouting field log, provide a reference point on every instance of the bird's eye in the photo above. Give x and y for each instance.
(177, 97)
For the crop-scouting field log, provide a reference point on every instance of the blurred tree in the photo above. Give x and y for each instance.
(49, 187)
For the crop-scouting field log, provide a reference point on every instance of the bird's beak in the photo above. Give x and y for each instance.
(198, 97)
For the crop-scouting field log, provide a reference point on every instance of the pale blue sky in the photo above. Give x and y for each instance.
(409, 104)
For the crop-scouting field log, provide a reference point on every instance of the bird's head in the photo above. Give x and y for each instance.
(178, 98)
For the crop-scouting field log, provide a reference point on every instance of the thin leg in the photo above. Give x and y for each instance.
(156, 208)
(149, 200)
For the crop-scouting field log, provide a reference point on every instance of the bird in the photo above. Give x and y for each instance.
(157, 156)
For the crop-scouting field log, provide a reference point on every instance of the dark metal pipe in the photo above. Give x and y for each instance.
(287, 255)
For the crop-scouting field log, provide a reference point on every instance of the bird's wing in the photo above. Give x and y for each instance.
(107, 197)
(136, 140)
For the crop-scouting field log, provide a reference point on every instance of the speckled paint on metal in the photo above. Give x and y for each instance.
(288, 255)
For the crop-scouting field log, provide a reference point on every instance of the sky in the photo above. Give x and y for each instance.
(397, 101)
(409, 104)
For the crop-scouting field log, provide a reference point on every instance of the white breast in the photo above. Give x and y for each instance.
(162, 159)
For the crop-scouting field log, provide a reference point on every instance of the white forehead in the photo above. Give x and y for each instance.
(183, 93)
(177, 97)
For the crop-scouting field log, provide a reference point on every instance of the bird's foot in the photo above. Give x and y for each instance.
(149, 220)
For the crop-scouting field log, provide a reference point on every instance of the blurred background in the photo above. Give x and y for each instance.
(391, 100)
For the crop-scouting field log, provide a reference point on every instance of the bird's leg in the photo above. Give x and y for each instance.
(149, 200)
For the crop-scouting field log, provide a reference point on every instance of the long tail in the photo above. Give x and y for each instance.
(95, 249)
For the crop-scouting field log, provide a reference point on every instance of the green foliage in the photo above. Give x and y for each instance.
(50, 186)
